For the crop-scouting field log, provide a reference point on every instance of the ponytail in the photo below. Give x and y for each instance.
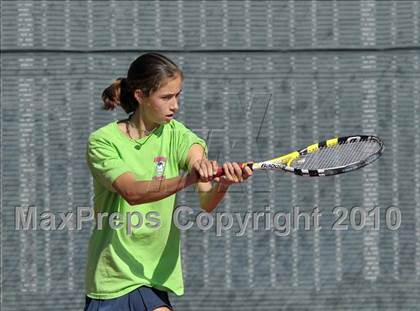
(119, 94)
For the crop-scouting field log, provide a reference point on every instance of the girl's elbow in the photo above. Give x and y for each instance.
(137, 200)
(127, 188)
(132, 201)
(132, 198)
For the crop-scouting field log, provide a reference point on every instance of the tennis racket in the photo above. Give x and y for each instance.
(330, 157)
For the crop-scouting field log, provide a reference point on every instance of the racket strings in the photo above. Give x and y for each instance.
(328, 159)
(340, 155)
(325, 158)
(350, 156)
(367, 147)
(358, 151)
(321, 160)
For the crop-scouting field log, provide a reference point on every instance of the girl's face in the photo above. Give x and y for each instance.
(161, 105)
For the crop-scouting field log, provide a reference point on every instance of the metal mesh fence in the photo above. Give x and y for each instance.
(262, 78)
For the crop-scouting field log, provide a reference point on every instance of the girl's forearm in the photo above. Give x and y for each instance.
(155, 190)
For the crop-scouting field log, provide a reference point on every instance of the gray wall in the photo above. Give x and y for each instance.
(262, 78)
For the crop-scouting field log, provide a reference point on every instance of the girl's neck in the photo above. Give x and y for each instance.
(138, 121)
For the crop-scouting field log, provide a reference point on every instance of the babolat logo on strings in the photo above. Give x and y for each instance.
(160, 167)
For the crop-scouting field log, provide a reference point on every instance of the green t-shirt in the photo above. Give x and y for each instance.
(119, 261)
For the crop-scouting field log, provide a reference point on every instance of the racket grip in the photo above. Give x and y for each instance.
(221, 171)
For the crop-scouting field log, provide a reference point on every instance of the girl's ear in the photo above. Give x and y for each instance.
(139, 95)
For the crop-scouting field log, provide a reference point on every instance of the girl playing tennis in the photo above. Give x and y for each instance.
(135, 164)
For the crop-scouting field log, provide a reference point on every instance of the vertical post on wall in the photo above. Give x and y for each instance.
(369, 127)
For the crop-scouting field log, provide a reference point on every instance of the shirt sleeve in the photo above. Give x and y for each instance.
(104, 161)
(187, 139)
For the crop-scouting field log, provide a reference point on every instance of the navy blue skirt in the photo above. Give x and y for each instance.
(141, 299)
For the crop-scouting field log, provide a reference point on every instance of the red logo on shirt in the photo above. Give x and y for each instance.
(160, 167)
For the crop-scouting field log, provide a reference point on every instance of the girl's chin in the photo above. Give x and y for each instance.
(167, 119)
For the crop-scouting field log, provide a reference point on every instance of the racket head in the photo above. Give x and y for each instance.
(329, 157)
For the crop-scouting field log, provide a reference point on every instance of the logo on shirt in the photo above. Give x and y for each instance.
(160, 167)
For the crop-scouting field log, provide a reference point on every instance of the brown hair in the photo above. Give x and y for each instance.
(146, 73)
